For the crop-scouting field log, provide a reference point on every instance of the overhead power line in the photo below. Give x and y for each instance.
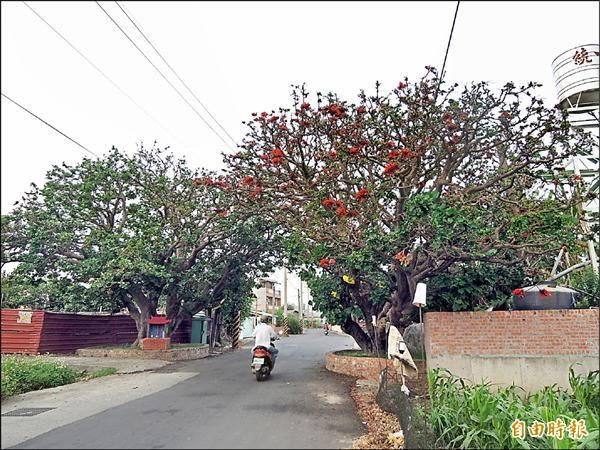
(54, 128)
(162, 75)
(106, 77)
(174, 72)
(448, 47)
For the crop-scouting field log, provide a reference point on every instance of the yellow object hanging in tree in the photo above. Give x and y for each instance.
(334, 294)
(348, 279)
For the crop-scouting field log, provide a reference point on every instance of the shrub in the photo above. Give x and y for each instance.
(23, 374)
(587, 283)
(279, 316)
(294, 326)
(473, 416)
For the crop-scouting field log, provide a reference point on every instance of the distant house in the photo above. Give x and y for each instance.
(268, 298)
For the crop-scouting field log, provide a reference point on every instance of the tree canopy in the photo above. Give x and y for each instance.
(141, 232)
(396, 188)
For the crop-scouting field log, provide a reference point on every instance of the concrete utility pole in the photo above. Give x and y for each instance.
(301, 314)
(284, 293)
(286, 329)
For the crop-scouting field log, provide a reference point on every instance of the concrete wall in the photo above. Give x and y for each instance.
(530, 349)
(247, 328)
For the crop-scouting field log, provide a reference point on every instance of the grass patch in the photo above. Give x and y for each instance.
(359, 354)
(467, 415)
(22, 374)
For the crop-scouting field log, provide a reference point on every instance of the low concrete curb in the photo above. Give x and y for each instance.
(356, 366)
(122, 365)
(173, 354)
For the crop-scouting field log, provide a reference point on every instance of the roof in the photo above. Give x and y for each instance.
(158, 320)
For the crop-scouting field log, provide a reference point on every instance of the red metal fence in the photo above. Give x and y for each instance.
(50, 332)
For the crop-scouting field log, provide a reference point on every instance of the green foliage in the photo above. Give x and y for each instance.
(468, 415)
(587, 283)
(23, 374)
(312, 323)
(294, 326)
(142, 232)
(474, 286)
(279, 316)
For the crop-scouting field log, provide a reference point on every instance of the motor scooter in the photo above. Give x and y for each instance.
(263, 362)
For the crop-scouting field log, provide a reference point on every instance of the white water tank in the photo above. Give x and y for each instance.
(576, 75)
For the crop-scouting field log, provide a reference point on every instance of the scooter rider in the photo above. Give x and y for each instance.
(263, 334)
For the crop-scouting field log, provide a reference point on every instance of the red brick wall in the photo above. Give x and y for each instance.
(531, 333)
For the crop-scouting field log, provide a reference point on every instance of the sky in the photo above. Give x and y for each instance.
(242, 57)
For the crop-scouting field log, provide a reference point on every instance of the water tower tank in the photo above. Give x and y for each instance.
(576, 77)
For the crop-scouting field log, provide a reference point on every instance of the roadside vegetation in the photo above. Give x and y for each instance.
(22, 374)
(465, 415)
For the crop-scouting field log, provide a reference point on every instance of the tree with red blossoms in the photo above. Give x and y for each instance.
(397, 188)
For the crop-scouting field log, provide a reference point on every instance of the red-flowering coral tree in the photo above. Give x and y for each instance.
(407, 184)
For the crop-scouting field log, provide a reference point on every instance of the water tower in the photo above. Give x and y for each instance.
(577, 79)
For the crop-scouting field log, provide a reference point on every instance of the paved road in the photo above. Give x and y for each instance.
(300, 406)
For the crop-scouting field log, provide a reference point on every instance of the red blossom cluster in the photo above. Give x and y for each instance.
(402, 85)
(334, 110)
(333, 154)
(401, 257)
(354, 150)
(391, 168)
(519, 292)
(276, 156)
(326, 263)
(545, 293)
(360, 195)
(329, 202)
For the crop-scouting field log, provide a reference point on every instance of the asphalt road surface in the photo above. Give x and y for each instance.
(301, 405)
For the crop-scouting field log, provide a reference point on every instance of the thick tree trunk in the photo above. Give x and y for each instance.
(362, 339)
(141, 309)
(401, 300)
